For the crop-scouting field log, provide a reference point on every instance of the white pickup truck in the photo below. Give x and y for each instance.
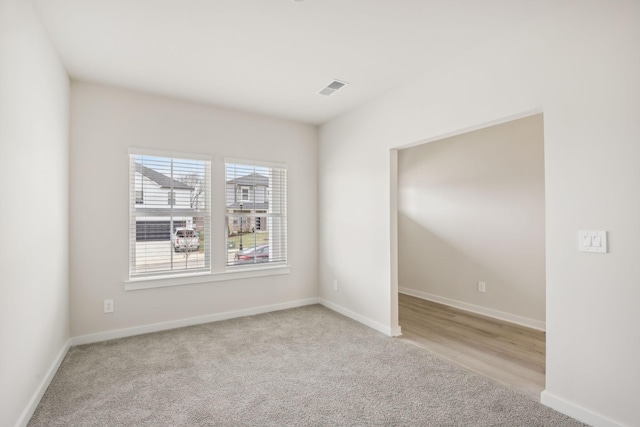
(185, 239)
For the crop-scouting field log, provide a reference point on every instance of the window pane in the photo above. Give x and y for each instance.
(256, 214)
(170, 224)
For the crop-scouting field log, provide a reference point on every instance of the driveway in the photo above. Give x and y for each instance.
(157, 256)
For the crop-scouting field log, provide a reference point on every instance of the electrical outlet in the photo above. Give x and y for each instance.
(108, 306)
(482, 287)
(335, 284)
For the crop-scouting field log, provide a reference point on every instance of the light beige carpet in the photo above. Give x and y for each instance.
(302, 367)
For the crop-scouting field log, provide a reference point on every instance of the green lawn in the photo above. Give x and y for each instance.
(233, 241)
(248, 240)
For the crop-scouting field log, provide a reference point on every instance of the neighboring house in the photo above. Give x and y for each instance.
(247, 194)
(165, 204)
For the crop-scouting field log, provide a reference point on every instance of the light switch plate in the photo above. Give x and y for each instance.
(592, 241)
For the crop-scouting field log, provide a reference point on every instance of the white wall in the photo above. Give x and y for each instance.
(471, 208)
(580, 67)
(105, 123)
(34, 286)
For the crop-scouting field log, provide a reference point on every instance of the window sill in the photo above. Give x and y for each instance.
(195, 278)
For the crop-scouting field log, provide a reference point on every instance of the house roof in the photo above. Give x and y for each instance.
(161, 179)
(251, 180)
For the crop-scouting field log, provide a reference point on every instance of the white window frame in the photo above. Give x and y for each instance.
(131, 229)
(218, 273)
(284, 233)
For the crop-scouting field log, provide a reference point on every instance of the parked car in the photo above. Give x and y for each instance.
(253, 254)
(185, 239)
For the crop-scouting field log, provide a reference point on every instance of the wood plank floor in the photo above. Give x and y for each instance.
(510, 354)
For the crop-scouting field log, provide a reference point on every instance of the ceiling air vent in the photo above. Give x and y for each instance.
(333, 87)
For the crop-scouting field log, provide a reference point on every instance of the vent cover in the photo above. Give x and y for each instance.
(333, 87)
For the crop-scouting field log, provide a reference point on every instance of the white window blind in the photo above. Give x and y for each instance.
(256, 214)
(170, 220)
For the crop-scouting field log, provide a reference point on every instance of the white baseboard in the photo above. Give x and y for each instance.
(360, 318)
(496, 314)
(157, 327)
(37, 396)
(575, 411)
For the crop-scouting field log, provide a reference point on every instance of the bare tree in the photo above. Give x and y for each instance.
(196, 183)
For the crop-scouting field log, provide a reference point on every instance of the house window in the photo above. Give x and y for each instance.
(169, 229)
(257, 223)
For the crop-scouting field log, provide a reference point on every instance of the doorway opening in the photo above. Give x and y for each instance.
(470, 249)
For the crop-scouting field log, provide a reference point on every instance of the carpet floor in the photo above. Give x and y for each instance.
(306, 366)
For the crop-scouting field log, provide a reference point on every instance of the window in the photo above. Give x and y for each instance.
(256, 214)
(259, 222)
(169, 229)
